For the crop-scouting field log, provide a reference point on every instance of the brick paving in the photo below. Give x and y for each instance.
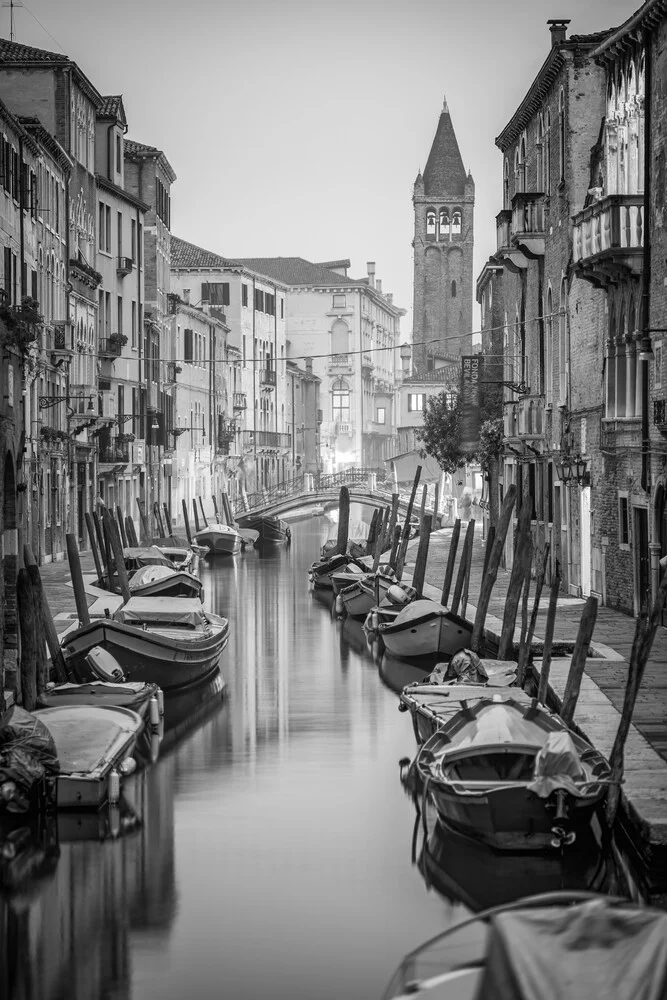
(612, 628)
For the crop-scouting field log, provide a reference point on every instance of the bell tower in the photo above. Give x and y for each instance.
(444, 202)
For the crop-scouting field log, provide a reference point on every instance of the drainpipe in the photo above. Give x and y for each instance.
(254, 391)
(646, 265)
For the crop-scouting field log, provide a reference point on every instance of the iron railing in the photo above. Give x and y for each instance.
(308, 484)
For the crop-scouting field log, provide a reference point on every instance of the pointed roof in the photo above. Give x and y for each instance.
(444, 173)
(17, 54)
(112, 108)
(189, 257)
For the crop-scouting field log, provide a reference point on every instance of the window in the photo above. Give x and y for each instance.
(101, 239)
(339, 301)
(133, 240)
(381, 415)
(444, 222)
(244, 295)
(119, 155)
(134, 324)
(547, 155)
(453, 289)
(657, 364)
(259, 300)
(506, 184)
(561, 135)
(188, 346)
(282, 309)
(215, 293)
(623, 521)
(340, 401)
(340, 337)
(416, 401)
(539, 153)
(456, 222)
(120, 234)
(269, 304)
(120, 315)
(430, 222)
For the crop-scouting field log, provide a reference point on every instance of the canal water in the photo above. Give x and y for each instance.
(272, 850)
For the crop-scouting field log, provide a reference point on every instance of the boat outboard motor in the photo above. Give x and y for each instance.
(397, 595)
(104, 666)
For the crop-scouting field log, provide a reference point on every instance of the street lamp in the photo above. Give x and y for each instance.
(46, 402)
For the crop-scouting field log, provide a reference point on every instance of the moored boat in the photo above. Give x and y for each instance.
(512, 774)
(431, 705)
(183, 557)
(172, 643)
(425, 628)
(362, 595)
(270, 530)
(94, 746)
(220, 539)
(163, 581)
(557, 944)
(321, 572)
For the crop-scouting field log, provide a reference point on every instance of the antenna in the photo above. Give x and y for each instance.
(12, 4)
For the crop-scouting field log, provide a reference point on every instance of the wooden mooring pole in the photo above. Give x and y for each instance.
(343, 521)
(466, 579)
(121, 526)
(158, 519)
(527, 639)
(144, 521)
(451, 560)
(93, 547)
(203, 515)
(578, 661)
(215, 508)
(422, 555)
(372, 532)
(131, 531)
(167, 520)
(491, 575)
(114, 540)
(521, 554)
(543, 688)
(48, 628)
(77, 580)
(463, 565)
(186, 521)
(387, 537)
(196, 516)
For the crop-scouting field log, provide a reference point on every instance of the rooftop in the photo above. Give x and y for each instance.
(187, 256)
(444, 173)
(298, 271)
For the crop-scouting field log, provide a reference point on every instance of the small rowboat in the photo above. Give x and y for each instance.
(94, 747)
(432, 705)
(511, 774)
(362, 595)
(220, 539)
(172, 643)
(321, 573)
(425, 628)
(270, 530)
(165, 581)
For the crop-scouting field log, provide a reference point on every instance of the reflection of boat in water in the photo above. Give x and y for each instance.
(353, 636)
(397, 673)
(471, 873)
(552, 945)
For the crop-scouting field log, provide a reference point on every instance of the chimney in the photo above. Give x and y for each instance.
(370, 267)
(309, 364)
(390, 298)
(186, 296)
(378, 285)
(558, 29)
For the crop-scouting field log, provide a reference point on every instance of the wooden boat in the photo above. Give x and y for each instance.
(320, 573)
(220, 539)
(172, 643)
(432, 705)
(270, 530)
(184, 557)
(165, 581)
(363, 594)
(94, 746)
(553, 945)
(425, 628)
(512, 774)
(345, 576)
(398, 596)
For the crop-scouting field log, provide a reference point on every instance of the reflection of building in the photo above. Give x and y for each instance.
(444, 200)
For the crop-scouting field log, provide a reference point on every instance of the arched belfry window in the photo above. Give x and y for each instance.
(453, 289)
(340, 401)
(456, 222)
(430, 222)
(444, 223)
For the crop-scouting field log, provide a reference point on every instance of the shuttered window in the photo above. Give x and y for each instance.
(188, 346)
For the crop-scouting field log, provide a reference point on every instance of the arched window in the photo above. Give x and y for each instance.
(548, 349)
(430, 222)
(561, 134)
(340, 401)
(521, 167)
(506, 184)
(539, 153)
(547, 155)
(444, 223)
(562, 340)
(453, 289)
(456, 222)
(340, 337)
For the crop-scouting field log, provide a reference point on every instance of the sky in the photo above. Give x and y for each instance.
(297, 128)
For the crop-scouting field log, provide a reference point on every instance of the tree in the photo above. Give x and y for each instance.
(441, 434)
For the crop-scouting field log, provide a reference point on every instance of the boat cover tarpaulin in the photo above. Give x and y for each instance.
(593, 950)
(149, 574)
(161, 610)
(88, 737)
(557, 765)
(147, 556)
(27, 749)
(419, 610)
(499, 723)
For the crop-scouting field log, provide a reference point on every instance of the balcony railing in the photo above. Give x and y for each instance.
(265, 439)
(239, 401)
(525, 418)
(527, 214)
(503, 229)
(124, 266)
(115, 453)
(110, 348)
(340, 362)
(268, 377)
(609, 234)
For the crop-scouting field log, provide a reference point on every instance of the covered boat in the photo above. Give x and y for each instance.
(321, 572)
(511, 774)
(165, 581)
(425, 628)
(362, 595)
(172, 643)
(220, 539)
(270, 530)
(94, 746)
(183, 557)
(548, 947)
(431, 705)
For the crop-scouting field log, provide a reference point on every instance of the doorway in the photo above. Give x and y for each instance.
(642, 562)
(585, 541)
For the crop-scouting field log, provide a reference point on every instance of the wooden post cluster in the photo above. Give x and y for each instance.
(491, 575)
(343, 520)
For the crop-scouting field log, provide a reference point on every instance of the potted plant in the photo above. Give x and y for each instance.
(118, 340)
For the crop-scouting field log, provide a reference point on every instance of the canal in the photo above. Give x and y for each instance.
(271, 851)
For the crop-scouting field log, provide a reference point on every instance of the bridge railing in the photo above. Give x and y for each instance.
(309, 483)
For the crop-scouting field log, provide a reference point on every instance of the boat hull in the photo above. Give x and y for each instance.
(177, 585)
(437, 635)
(149, 655)
(220, 543)
(270, 530)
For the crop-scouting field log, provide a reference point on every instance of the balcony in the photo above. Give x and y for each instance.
(367, 366)
(267, 378)
(124, 266)
(265, 440)
(343, 429)
(505, 249)
(340, 364)
(608, 239)
(110, 348)
(528, 223)
(117, 452)
(526, 418)
(239, 401)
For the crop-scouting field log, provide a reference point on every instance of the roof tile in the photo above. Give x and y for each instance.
(187, 255)
(297, 271)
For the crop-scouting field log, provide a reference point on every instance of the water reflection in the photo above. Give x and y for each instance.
(268, 856)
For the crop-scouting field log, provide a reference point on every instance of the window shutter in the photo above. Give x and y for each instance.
(188, 345)
(225, 293)
(8, 274)
(33, 284)
(204, 291)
